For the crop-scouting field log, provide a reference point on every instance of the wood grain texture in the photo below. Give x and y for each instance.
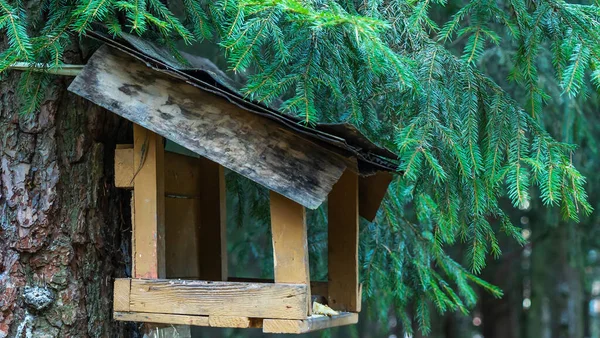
(212, 235)
(122, 287)
(181, 246)
(312, 323)
(343, 290)
(286, 301)
(182, 173)
(149, 199)
(163, 318)
(124, 168)
(230, 321)
(316, 287)
(290, 245)
(170, 319)
(251, 145)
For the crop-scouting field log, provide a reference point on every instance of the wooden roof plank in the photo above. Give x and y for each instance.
(251, 145)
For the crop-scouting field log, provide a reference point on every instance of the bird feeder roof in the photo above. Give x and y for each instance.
(199, 107)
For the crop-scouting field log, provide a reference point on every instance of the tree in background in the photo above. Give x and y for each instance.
(468, 143)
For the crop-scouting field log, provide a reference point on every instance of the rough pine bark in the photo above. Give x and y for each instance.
(63, 225)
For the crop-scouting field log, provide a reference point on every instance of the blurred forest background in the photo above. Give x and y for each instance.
(551, 285)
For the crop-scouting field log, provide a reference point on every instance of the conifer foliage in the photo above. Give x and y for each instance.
(385, 66)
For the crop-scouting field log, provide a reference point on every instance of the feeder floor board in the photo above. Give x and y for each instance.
(207, 298)
(312, 323)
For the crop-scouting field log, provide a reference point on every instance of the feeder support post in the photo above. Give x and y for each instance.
(148, 214)
(344, 288)
(290, 245)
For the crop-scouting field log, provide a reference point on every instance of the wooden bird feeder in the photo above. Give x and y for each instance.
(179, 256)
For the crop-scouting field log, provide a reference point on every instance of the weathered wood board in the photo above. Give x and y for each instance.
(254, 300)
(212, 321)
(122, 288)
(124, 166)
(233, 321)
(163, 318)
(312, 323)
(251, 145)
(316, 287)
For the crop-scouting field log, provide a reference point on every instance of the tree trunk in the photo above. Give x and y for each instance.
(557, 309)
(64, 229)
(501, 317)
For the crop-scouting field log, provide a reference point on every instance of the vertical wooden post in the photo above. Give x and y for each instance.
(344, 290)
(149, 204)
(212, 235)
(290, 245)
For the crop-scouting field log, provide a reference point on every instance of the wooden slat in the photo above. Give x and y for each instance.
(163, 318)
(124, 167)
(232, 321)
(312, 323)
(316, 287)
(181, 246)
(285, 301)
(132, 203)
(182, 174)
(149, 199)
(122, 287)
(290, 245)
(343, 244)
(371, 191)
(124, 146)
(251, 145)
(212, 243)
(170, 319)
